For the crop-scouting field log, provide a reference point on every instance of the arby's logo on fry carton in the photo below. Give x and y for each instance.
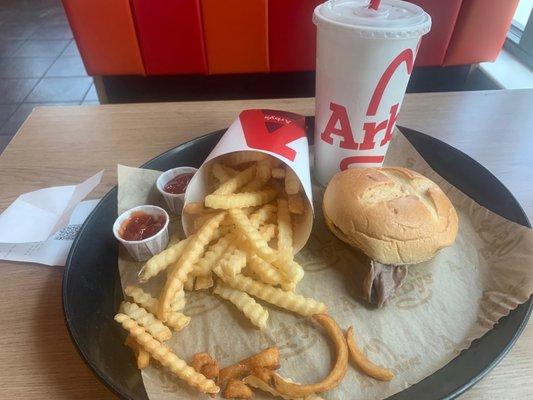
(376, 130)
(272, 130)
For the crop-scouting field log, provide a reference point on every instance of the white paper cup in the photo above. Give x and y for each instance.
(174, 201)
(142, 250)
(364, 61)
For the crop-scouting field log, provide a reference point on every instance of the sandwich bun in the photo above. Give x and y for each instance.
(394, 215)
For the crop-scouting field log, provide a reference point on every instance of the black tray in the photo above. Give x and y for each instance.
(92, 291)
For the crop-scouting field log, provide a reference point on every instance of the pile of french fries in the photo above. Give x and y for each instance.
(242, 247)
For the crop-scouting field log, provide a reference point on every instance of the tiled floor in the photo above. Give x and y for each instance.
(39, 63)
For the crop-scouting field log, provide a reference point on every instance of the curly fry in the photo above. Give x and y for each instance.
(166, 357)
(287, 300)
(257, 383)
(147, 320)
(249, 307)
(363, 363)
(268, 358)
(205, 364)
(236, 389)
(336, 374)
(161, 261)
(179, 271)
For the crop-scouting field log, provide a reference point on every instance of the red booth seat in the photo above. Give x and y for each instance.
(156, 37)
(170, 36)
(105, 34)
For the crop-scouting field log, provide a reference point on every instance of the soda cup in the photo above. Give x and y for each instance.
(363, 63)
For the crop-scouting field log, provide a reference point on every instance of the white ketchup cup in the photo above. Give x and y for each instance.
(174, 201)
(142, 250)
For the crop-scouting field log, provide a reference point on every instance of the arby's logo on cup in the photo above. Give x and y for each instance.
(339, 123)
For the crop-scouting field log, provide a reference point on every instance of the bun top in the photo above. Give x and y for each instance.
(394, 215)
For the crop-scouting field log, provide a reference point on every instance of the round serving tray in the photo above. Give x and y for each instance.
(92, 291)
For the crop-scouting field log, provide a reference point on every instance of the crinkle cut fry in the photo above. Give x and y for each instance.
(179, 272)
(176, 320)
(161, 261)
(249, 307)
(147, 320)
(166, 357)
(287, 300)
(252, 235)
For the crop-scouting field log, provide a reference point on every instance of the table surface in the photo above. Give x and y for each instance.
(65, 145)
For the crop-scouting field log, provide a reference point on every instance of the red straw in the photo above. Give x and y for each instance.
(374, 4)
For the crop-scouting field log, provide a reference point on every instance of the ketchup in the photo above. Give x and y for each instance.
(141, 225)
(178, 184)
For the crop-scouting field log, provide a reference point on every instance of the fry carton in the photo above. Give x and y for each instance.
(278, 133)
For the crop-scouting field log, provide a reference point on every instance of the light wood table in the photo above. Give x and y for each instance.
(65, 145)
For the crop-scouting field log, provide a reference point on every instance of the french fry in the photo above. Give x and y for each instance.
(161, 261)
(205, 364)
(285, 248)
(296, 203)
(234, 183)
(201, 219)
(194, 208)
(203, 282)
(292, 271)
(176, 320)
(263, 173)
(223, 173)
(267, 231)
(287, 300)
(143, 358)
(255, 382)
(242, 157)
(147, 320)
(265, 271)
(212, 255)
(234, 262)
(166, 357)
(249, 307)
(179, 271)
(240, 200)
(292, 184)
(178, 303)
(268, 358)
(263, 214)
(334, 377)
(252, 235)
(278, 173)
(236, 389)
(188, 285)
(363, 363)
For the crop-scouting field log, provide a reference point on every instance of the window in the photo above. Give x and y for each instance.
(520, 38)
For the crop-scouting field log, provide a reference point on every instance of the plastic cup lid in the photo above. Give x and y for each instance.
(393, 18)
